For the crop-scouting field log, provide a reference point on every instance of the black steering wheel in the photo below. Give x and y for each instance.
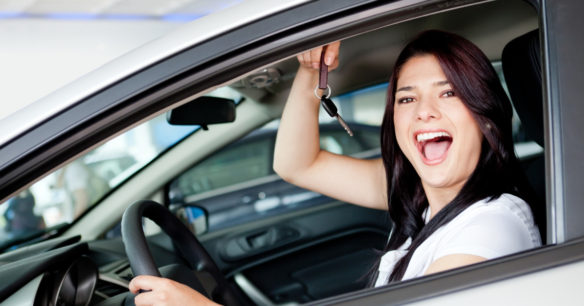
(192, 251)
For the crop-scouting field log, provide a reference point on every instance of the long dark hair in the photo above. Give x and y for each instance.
(475, 82)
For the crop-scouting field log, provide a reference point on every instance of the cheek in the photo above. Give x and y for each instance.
(401, 130)
(470, 135)
(474, 139)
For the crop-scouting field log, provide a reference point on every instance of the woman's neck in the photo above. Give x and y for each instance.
(439, 197)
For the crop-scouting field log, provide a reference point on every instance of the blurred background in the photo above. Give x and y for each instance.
(46, 44)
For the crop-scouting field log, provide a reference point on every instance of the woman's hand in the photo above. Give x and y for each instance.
(311, 59)
(164, 291)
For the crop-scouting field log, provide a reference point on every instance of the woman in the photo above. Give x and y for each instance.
(448, 174)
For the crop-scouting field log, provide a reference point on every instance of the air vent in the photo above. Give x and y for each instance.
(105, 290)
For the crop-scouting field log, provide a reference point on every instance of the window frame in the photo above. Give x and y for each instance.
(562, 79)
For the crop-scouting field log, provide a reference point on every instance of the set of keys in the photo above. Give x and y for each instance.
(325, 100)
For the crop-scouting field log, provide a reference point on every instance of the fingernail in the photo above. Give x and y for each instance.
(328, 60)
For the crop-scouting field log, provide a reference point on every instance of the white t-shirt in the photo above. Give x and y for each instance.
(487, 229)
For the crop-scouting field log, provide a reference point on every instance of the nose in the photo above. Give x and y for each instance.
(427, 110)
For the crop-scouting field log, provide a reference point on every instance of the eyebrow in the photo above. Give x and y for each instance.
(410, 88)
(441, 83)
(406, 88)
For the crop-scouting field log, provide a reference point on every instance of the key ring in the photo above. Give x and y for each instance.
(328, 95)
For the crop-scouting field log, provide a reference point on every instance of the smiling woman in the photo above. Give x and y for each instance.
(447, 152)
(434, 129)
(441, 82)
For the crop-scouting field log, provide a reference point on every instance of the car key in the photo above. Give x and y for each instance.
(331, 109)
(327, 103)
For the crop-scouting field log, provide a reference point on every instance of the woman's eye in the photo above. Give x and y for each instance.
(405, 100)
(448, 93)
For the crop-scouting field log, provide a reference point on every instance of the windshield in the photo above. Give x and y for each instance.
(61, 197)
(64, 195)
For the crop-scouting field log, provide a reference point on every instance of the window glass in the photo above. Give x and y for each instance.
(237, 184)
(238, 163)
(62, 196)
(65, 194)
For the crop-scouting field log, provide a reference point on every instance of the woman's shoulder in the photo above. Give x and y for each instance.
(503, 225)
(506, 206)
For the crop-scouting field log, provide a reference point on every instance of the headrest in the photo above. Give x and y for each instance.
(521, 62)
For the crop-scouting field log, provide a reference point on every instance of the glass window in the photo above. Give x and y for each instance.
(245, 160)
(238, 185)
(62, 196)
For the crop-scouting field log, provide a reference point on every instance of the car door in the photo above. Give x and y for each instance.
(252, 215)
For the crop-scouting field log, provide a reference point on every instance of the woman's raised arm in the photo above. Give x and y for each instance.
(298, 158)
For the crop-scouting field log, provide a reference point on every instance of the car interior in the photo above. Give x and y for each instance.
(277, 244)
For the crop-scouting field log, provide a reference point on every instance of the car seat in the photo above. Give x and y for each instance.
(521, 61)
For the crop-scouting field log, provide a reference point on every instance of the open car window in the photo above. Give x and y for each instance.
(237, 184)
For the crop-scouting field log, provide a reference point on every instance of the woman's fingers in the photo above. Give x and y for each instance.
(143, 282)
(306, 59)
(146, 298)
(315, 57)
(331, 57)
(164, 291)
(311, 59)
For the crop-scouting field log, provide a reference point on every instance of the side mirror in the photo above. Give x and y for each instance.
(203, 111)
(195, 218)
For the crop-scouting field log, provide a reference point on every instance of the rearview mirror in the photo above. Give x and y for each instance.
(203, 111)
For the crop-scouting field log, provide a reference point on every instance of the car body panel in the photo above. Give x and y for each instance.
(561, 288)
(511, 270)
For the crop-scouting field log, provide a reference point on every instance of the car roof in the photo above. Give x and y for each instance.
(27, 116)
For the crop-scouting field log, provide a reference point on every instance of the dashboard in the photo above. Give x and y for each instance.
(67, 271)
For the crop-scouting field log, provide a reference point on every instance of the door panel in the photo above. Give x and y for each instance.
(304, 256)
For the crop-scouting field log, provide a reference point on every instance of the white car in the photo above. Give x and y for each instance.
(66, 247)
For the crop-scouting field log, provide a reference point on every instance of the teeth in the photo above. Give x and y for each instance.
(427, 136)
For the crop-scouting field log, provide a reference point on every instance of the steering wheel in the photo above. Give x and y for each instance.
(189, 247)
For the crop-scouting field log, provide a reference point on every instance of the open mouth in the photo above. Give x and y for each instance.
(433, 146)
